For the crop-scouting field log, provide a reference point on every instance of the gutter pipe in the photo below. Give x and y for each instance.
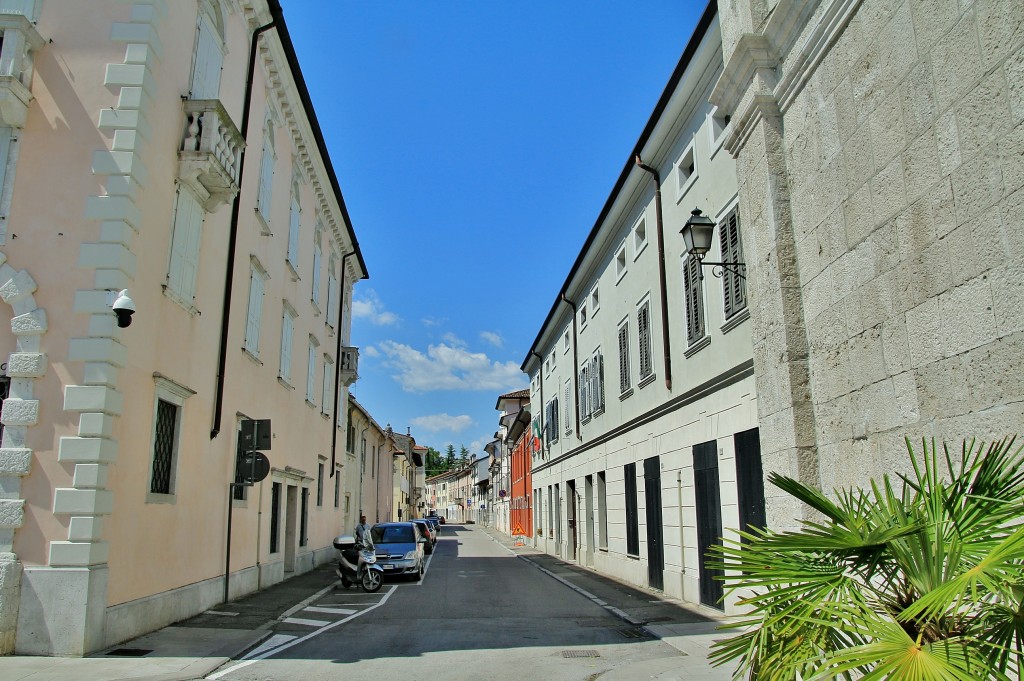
(661, 271)
(337, 369)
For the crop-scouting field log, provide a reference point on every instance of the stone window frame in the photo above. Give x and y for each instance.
(638, 232)
(719, 122)
(171, 392)
(686, 169)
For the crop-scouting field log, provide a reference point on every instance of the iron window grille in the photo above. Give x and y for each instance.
(163, 447)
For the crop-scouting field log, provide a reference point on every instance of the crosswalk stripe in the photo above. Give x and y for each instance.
(273, 642)
(308, 623)
(330, 611)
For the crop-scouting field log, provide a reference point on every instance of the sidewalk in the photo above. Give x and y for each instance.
(188, 650)
(682, 626)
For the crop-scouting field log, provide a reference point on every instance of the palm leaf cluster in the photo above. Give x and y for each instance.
(919, 577)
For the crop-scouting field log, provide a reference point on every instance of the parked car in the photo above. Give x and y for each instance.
(435, 524)
(399, 547)
(439, 518)
(427, 528)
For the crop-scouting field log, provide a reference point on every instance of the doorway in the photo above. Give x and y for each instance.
(709, 518)
(570, 514)
(291, 515)
(558, 521)
(588, 501)
(655, 538)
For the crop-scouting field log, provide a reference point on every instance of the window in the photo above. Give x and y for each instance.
(209, 53)
(639, 236)
(304, 518)
(567, 408)
(632, 517)
(294, 220)
(337, 488)
(265, 194)
(602, 505)
(643, 330)
(620, 263)
(625, 380)
(583, 315)
(332, 292)
(554, 358)
(686, 171)
(693, 297)
(317, 257)
(718, 121)
(275, 516)
(595, 301)
(320, 483)
(551, 421)
(5, 391)
(287, 331)
(311, 371)
(733, 285)
(257, 277)
(185, 239)
(565, 341)
(592, 387)
(326, 398)
(170, 401)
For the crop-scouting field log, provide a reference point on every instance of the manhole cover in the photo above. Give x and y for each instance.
(129, 652)
(633, 632)
(580, 653)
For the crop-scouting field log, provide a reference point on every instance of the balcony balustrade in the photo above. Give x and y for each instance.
(18, 40)
(348, 369)
(211, 152)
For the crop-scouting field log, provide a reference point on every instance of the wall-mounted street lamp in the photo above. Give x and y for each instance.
(697, 233)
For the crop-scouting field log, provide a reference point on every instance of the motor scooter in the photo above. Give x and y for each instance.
(358, 565)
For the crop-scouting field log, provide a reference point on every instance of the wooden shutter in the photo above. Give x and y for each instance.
(252, 326)
(188, 223)
(6, 134)
(643, 330)
(209, 59)
(332, 301)
(294, 217)
(554, 419)
(311, 373)
(733, 286)
(317, 256)
(266, 176)
(567, 396)
(693, 299)
(584, 390)
(624, 382)
(326, 397)
(599, 381)
(287, 330)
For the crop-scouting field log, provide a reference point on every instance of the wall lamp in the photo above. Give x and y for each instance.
(697, 233)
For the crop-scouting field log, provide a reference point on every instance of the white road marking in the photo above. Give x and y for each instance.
(273, 642)
(305, 623)
(329, 611)
(259, 654)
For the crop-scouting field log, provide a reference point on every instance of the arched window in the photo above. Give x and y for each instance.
(209, 51)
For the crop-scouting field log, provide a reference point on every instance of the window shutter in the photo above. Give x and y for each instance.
(554, 419)
(624, 358)
(325, 398)
(584, 402)
(332, 301)
(293, 232)
(252, 327)
(317, 256)
(5, 148)
(286, 346)
(209, 58)
(266, 178)
(733, 286)
(598, 378)
(568, 412)
(694, 302)
(643, 330)
(311, 373)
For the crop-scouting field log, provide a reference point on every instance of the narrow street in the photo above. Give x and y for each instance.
(480, 611)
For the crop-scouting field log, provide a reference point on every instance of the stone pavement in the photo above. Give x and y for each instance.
(195, 648)
(685, 628)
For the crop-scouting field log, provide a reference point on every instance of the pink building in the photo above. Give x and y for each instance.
(135, 155)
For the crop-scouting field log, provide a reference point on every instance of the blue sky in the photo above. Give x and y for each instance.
(475, 143)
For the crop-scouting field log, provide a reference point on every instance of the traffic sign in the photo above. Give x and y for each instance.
(255, 466)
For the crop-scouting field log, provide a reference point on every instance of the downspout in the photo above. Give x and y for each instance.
(337, 369)
(229, 277)
(575, 368)
(661, 271)
(540, 375)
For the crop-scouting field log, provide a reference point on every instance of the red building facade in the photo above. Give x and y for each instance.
(521, 505)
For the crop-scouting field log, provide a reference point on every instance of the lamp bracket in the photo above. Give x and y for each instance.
(720, 268)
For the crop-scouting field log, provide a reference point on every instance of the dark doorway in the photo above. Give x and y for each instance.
(709, 518)
(749, 480)
(588, 509)
(655, 539)
(632, 517)
(570, 516)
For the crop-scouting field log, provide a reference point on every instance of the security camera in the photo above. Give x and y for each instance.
(124, 308)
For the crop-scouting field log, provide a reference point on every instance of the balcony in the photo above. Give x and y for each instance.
(18, 38)
(348, 369)
(211, 153)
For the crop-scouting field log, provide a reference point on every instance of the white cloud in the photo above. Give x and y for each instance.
(454, 340)
(438, 422)
(433, 321)
(448, 367)
(368, 306)
(493, 338)
(369, 351)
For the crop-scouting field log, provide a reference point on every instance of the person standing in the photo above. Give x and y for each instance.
(362, 531)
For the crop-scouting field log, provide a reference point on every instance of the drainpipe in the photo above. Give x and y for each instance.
(661, 271)
(575, 367)
(229, 269)
(337, 365)
(540, 375)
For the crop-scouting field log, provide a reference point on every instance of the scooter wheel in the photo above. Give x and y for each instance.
(345, 583)
(371, 581)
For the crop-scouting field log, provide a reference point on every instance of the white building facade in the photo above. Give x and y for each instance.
(641, 378)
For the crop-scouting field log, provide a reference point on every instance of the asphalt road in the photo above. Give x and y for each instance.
(479, 613)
